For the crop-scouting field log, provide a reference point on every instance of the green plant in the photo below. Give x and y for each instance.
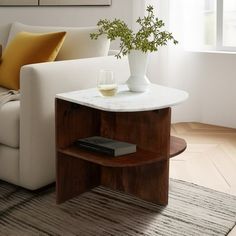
(149, 37)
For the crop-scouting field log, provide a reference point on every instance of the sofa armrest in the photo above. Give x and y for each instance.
(39, 83)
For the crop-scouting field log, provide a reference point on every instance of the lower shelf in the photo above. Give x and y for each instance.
(141, 157)
(177, 146)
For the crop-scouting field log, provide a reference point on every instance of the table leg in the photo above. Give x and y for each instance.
(75, 176)
(148, 182)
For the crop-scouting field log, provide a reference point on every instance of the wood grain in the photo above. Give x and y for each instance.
(74, 3)
(210, 158)
(18, 2)
(211, 151)
(74, 176)
(146, 129)
(144, 173)
(74, 121)
(141, 157)
(148, 182)
(177, 146)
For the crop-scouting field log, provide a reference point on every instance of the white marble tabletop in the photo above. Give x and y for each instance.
(157, 97)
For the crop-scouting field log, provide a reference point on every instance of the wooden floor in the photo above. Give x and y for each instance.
(210, 157)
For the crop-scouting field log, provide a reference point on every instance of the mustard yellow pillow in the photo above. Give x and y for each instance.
(27, 48)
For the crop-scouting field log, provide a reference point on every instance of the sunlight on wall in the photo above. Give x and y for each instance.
(194, 22)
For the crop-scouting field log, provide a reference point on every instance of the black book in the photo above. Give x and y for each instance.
(106, 146)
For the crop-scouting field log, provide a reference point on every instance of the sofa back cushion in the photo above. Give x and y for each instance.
(27, 48)
(77, 43)
(4, 33)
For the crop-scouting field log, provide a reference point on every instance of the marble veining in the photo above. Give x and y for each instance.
(156, 97)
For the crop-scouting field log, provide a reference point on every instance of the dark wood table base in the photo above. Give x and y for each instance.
(144, 174)
(77, 176)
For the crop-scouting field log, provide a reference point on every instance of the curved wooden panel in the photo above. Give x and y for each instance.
(177, 146)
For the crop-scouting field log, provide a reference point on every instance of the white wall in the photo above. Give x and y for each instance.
(126, 10)
(209, 78)
(67, 16)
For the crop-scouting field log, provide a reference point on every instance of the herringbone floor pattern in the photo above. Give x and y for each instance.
(210, 157)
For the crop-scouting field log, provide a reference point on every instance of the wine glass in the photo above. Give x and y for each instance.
(106, 83)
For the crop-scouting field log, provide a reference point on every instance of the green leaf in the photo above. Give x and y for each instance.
(149, 37)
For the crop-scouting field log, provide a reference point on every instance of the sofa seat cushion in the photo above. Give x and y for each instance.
(9, 164)
(9, 123)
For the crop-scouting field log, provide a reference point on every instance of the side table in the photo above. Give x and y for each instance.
(140, 118)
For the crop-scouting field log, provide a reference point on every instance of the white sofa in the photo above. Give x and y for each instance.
(27, 132)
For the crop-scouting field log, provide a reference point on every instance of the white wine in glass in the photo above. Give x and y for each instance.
(108, 89)
(107, 85)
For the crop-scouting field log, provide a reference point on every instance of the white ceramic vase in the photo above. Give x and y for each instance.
(138, 61)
